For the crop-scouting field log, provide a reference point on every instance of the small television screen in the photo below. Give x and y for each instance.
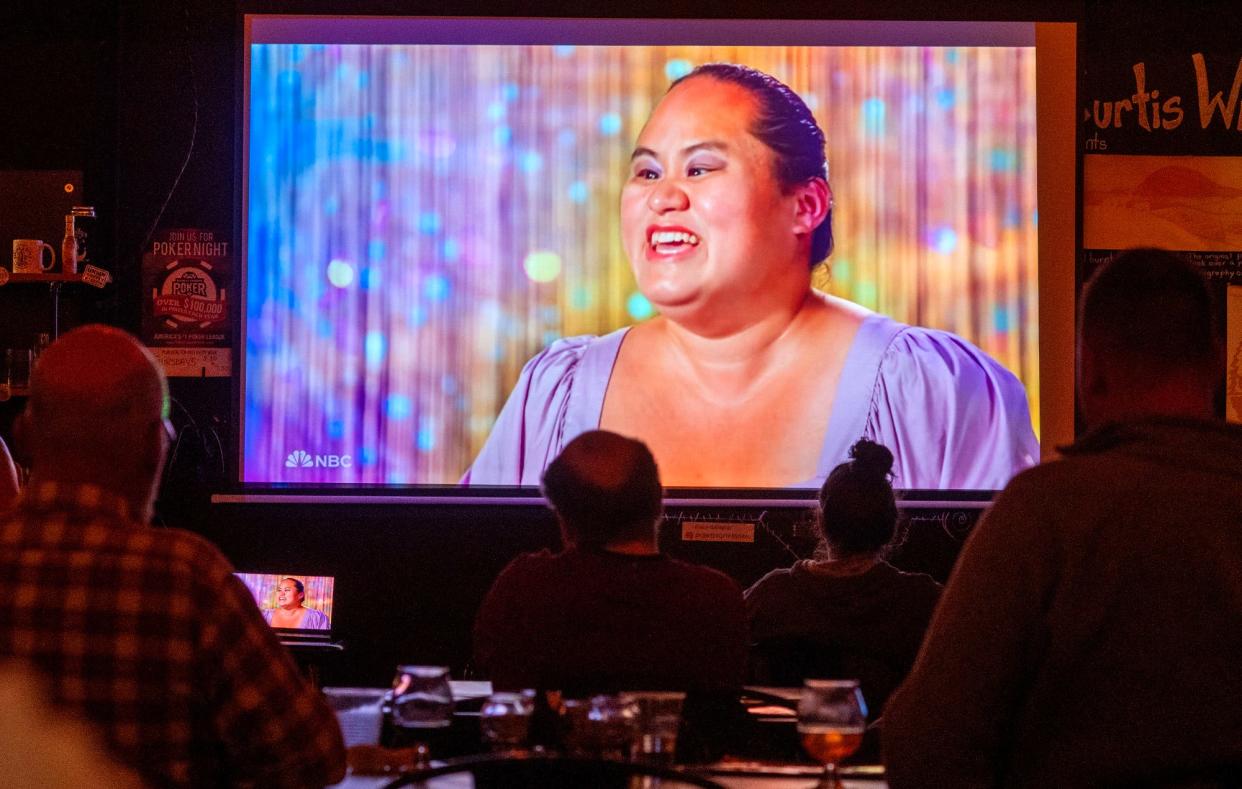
(466, 241)
(293, 602)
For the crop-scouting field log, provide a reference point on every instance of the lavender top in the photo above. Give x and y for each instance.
(952, 415)
(314, 619)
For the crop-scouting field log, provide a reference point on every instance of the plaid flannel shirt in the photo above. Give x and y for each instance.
(149, 634)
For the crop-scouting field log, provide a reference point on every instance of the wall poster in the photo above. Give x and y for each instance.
(185, 321)
(1162, 167)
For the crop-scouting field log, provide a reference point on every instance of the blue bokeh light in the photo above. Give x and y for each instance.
(436, 288)
(531, 162)
(1000, 318)
(1004, 160)
(677, 68)
(638, 307)
(451, 250)
(429, 223)
(873, 116)
(398, 407)
(375, 347)
(944, 240)
(580, 298)
(341, 273)
(610, 124)
(426, 435)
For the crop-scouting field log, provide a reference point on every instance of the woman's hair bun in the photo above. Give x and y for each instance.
(872, 457)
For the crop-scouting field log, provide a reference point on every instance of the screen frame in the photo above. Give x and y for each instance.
(1058, 184)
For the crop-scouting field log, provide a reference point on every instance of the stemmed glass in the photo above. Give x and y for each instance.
(831, 719)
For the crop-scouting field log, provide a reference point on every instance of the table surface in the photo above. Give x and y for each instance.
(872, 779)
(755, 775)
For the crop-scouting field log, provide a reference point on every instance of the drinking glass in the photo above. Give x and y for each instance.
(422, 697)
(504, 720)
(658, 721)
(601, 727)
(359, 712)
(831, 719)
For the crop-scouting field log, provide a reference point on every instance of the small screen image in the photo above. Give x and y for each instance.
(292, 601)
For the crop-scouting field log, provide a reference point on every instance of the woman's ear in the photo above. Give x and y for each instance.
(812, 202)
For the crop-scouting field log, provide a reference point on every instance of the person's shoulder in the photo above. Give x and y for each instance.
(774, 581)
(178, 550)
(938, 354)
(918, 582)
(708, 579)
(561, 358)
(534, 564)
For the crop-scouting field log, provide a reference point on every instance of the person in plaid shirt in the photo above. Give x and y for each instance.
(145, 631)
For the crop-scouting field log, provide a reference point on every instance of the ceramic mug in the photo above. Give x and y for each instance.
(28, 256)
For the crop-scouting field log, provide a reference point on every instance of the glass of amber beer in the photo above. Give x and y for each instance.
(831, 719)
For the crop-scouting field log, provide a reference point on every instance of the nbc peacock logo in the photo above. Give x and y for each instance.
(299, 458)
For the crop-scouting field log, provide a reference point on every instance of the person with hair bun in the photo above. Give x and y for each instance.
(848, 614)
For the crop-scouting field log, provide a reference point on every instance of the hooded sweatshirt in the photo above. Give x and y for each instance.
(806, 621)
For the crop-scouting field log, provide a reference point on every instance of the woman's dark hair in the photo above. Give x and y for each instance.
(784, 124)
(858, 512)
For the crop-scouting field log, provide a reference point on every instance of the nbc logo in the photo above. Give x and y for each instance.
(298, 459)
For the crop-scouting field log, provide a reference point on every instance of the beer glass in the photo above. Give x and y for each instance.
(831, 719)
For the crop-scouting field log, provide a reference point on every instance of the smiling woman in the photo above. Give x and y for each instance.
(748, 376)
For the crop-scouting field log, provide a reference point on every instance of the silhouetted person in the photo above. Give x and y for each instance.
(609, 612)
(849, 615)
(146, 632)
(1091, 632)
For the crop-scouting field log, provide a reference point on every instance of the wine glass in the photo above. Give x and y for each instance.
(504, 720)
(831, 719)
(422, 697)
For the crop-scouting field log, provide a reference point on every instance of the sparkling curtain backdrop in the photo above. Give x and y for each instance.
(423, 219)
(318, 590)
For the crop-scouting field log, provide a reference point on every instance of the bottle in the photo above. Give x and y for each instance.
(44, 339)
(69, 248)
(83, 227)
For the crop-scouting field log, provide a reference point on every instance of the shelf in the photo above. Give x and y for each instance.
(9, 392)
(26, 279)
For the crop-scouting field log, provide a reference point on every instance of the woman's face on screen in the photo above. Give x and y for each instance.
(703, 218)
(288, 596)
